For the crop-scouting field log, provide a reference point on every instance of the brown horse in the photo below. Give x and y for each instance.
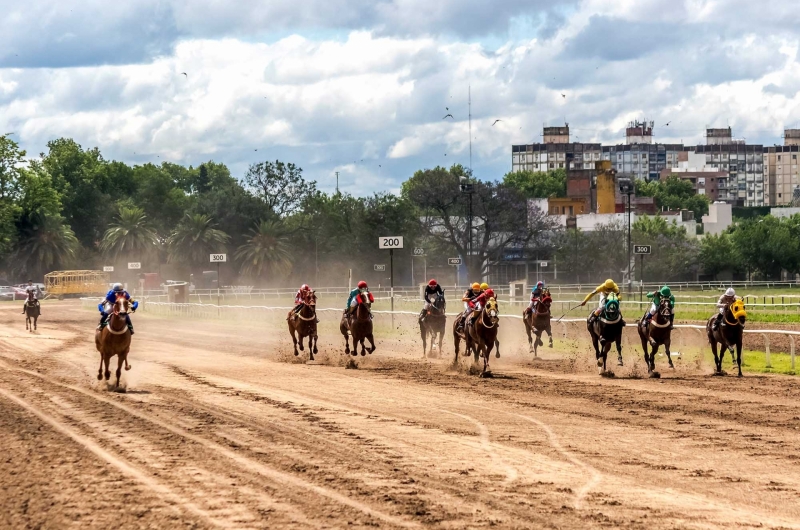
(538, 322)
(114, 339)
(433, 324)
(304, 324)
(656, 333)
(32, 312)
(359, 325)
(480, 335)
(729, 334)
(606, 330)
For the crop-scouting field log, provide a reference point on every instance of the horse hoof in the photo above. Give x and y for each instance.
(99, 377)
(655, 375)
(128, 367)
(740, 375)
(599, 363)
(296, 353)
(487, 375)
(363, 353)
(315, 350)
(354, 353)
(550, 345)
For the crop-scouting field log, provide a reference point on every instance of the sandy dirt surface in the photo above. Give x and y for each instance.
(221, 426)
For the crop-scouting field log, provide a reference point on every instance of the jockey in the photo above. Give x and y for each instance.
(536, 294)
(484, 286)
(605, 288)
(299, 299)
(32, 292)
(112, 296)
(479, 301)
(432, 288)
(724, 301)
(469, 295)
(352, 301)
(657, 296)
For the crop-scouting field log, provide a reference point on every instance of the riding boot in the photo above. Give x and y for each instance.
(102, 321)
(422, 315)
(671, 320)
(128, 322)
(717, 321)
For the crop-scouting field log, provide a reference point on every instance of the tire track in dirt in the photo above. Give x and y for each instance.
(243, 462)
(115, 460)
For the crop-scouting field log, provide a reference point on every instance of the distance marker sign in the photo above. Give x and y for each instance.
(641, 249)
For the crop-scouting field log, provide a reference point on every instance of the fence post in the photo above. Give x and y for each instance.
(791, 341)
(766, 348)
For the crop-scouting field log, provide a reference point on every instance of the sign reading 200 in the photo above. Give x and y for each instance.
(390, 242)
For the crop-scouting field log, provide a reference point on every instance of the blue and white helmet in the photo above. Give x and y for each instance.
(538, 285)
(116, 287)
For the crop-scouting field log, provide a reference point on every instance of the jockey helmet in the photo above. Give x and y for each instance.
(30, 281)
(609, 284)
(489, 293)
(305, 287)
(540, 284)
(665, 291)
(362, 284)
(432, 283)
(730, 292)
(476, 286)
(484, 286)
(117, 287)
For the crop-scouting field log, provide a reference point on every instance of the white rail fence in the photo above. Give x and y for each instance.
(249, 312)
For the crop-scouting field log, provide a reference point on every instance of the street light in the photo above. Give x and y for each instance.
(626, 188)
(467, 187)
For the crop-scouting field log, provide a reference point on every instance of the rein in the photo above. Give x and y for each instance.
(114, 331)
(312, 317)
(606, 321)
(728, 322)
(483, 320)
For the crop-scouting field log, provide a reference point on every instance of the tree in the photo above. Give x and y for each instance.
(674, 256)
(718, 254)
(767, 245)
(44, 243)
(674, 193)
(538, 184)
(194, 239)
(160, 196)
(501, 217)
(266, 251)
(11, 158)
(130, 235)
(281, 186)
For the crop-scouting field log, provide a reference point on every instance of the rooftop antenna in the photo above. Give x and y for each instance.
(469, 103)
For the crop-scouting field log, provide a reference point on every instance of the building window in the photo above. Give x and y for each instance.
(552, 165)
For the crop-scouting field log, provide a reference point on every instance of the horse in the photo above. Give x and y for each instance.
(538, 321)
(605, 330)
(433, 324)
(481, 335)
(656, 333)
(32, 311)
(729, 334)
(304, 323)
(114, 339)
(359, 324)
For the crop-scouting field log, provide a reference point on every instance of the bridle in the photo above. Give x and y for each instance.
(663, 311)
(491, 323)
(309, 302)
(116, 312)
(358, 312)
(545, 302)
(725, 317)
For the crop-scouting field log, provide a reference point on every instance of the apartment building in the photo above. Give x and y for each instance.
(781, 169)
(556, 152)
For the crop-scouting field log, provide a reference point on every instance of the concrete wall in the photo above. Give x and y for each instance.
(718, 219)
(784, 212)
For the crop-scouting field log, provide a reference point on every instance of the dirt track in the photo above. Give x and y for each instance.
(219, 428)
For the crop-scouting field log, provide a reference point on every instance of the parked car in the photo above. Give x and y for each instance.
(8, 293)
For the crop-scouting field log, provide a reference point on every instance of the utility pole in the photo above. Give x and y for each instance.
(469, 103)
(337, 182)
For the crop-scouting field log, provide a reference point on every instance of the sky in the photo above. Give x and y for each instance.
(361, 87)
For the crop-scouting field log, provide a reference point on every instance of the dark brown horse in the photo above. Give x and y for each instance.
(433, 324)
(31, 312)
(114, 339)
(359, 325)
(538, 322)
(304, 324)
(606, 330)
(728, 335)
(655, 334)
(480, 335)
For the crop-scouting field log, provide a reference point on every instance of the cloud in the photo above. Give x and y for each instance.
(361, 87)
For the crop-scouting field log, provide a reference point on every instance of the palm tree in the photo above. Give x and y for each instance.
(130, 234)
(266, 251)
(44, 242)
(194, 239)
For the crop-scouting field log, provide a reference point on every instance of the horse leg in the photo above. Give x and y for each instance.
(550, 335)
(107, 373)
(667, 343)
(739, 357)
(531, 346)
(619, 349)
(316, 338)
(27, 322)
(118, 373)
(294, 340)
(717, 357)
(371, 340)
(424, 334)
(363, 347)
(35, 322)
(497, 345)
(597, 353)
(645, 348)
(652, 367)
(487, 353)
(100, 370)
(456, 344)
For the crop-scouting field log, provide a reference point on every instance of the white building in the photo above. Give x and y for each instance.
(720, 217)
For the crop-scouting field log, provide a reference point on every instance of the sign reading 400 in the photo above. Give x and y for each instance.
(390, 242)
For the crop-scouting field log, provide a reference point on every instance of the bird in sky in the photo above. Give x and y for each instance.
(447, 108)
(184, 73)
(667, 124)
(255, 149)
(495, 122)
(564, 96)
(448, 116)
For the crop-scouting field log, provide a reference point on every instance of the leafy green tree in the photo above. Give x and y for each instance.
(718, 254)
(538, 184)
(44, 243)
(265, 252)
(11, 158)
(194, 239)
(675, 256)
(160, 196)
(767, 245)
(674, 193)
(130, 234)
(281, 186)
